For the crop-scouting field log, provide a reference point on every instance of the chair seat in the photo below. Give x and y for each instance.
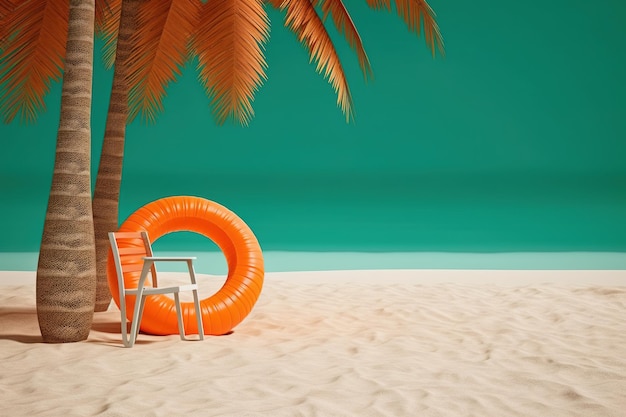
(164, 290)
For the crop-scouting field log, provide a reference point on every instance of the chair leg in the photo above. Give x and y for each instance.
(137, 315)
(124, 324)
(196, 302)
(179, 314)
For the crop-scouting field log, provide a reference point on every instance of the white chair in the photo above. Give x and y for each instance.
(134, 256)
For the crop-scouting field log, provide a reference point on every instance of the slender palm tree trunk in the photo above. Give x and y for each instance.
(108, 182)
(66, 272)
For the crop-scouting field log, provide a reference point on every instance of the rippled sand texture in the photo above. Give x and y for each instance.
(339, 349)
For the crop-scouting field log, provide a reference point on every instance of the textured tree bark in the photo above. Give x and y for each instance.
(66, 271)
(108, 182)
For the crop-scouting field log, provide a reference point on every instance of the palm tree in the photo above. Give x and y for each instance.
(158, 38)
(33, 38)
(66, 286)
(105, 203)
(38, 40)
(157, 44)
(231, 67)
(66, 268)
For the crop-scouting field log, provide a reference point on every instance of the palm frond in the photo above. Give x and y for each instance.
(416, 13)
(107, 26)
(276, 3)
(159, 52)
(379, 4)
(32, 56)
(229, 45)
(7, 7)
(344, 24)
(302, 19)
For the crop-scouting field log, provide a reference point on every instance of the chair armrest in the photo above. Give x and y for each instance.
(148, 261)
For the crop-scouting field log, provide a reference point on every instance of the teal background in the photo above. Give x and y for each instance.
(514, 142)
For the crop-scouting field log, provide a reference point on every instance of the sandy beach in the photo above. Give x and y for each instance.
(342, 343)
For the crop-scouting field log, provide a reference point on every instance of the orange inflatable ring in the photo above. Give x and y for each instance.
(222, 311)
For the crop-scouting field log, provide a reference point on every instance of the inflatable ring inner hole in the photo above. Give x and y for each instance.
(210, 264)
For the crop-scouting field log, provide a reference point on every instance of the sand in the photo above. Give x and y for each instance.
(350, 343)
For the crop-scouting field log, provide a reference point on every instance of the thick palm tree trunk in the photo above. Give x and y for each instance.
(108, 182)
(66, 272)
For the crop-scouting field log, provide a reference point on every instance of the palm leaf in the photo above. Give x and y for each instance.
(107, 26)
(229, 45)
(302, 19)
(344, 24)
(416, 13)
(160, 50)
(7, 8)
(32, 56)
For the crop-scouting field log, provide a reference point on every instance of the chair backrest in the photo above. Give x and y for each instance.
(129, 249)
